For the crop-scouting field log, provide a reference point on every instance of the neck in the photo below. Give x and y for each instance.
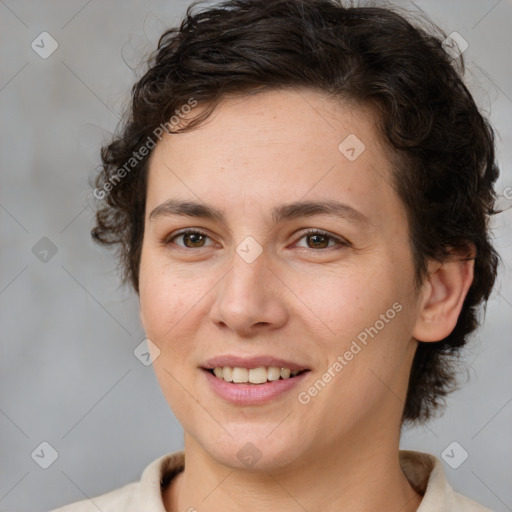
(357, 475)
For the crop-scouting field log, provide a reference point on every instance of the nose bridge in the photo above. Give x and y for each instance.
(247, 297)
(246, 282)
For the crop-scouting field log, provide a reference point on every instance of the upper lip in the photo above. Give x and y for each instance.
(251, 362)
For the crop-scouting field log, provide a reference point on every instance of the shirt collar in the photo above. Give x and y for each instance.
(424, 472)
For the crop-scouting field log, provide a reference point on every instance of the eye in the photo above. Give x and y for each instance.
(318, 239)
(192, 239)
(196, 239)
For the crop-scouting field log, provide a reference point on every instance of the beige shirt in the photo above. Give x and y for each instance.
(424, 472)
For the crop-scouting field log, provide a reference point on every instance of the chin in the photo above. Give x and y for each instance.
(253, 449)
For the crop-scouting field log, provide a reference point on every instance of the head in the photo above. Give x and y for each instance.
(252, 105)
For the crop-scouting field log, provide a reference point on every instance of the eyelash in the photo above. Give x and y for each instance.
(340, 241)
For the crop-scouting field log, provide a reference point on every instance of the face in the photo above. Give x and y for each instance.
(296, 255)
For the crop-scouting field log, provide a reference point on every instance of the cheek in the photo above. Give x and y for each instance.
(369, 319)
(162, 301)
(159, 305)
(173, 305)
(348, 300)
(164, 310)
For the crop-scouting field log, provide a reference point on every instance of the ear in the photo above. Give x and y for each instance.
(444, 291)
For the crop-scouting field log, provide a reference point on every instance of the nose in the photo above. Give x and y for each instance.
(250, 299)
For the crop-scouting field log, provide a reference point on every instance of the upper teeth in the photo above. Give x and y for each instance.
(253, 375)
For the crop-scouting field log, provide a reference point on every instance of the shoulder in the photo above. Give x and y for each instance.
(464, 504)
(144, 495)
(426, 474)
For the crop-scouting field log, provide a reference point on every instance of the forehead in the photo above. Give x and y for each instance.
(276, 147)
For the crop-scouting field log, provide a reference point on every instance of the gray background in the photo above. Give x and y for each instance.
(68, 375)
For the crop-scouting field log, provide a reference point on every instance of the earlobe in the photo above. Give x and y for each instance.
(444, 292)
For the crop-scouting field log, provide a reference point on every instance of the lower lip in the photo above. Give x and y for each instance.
(252, 394)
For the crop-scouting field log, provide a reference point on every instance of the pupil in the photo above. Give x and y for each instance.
(316, 237)
(193, 238)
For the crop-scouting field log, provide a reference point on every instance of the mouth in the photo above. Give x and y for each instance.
(256, 376)
(253, 381)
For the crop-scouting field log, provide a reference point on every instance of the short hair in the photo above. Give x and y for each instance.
(443, 148)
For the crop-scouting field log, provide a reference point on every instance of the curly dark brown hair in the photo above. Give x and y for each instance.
(445, 157)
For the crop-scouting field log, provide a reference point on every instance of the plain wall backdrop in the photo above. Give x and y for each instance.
(68, 373)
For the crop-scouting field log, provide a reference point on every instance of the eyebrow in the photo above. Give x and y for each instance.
(279, 213)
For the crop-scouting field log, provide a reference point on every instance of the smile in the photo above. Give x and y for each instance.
(260, 375)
